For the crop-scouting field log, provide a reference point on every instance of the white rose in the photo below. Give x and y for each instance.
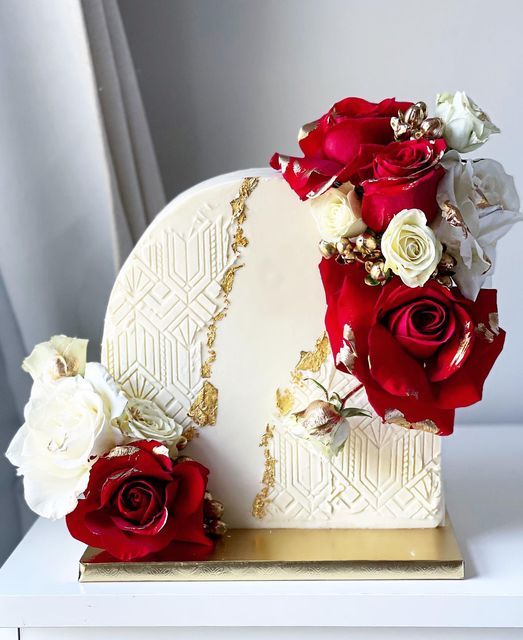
(145, 420)
(410, 247)
(60, 356)
(488, 207)
(337, 215)
(466, 125)
(68, 422)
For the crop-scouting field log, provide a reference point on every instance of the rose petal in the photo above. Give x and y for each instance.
(382, 199)
(465, 387)
(453, 355)
(393, 368)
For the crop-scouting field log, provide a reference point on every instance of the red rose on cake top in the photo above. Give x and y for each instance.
(140, 502)
(421, 352)
(403, 175)
(338, 145)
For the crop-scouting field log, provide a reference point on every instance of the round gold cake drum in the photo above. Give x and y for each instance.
(301, 554)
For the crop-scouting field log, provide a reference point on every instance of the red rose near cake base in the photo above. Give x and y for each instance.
(422, 351)
(139, 502)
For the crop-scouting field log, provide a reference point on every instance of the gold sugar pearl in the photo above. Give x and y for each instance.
(377, 272)
(446, 281)
(447, 262)
(327, 249)
(217, 528)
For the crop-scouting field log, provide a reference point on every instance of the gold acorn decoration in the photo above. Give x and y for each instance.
(377, 271)
(327, 249)
(414, 124)
(447, 262)
(445, 281)
(415, 115)
(213, 510)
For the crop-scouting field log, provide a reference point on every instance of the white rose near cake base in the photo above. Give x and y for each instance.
(155, 343)
(316, 398)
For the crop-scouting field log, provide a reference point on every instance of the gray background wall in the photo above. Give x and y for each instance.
(227, 82)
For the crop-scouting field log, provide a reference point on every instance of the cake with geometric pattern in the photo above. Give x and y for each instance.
(218, 317)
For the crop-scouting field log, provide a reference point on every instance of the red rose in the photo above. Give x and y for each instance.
(405, 175)
(139, 501)
(422, 351)
(338, 145)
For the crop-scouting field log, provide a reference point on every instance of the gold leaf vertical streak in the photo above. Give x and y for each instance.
(205, 406)
(259, 506)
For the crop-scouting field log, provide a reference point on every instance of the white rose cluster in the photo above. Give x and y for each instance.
(76, 413)
(479, 205)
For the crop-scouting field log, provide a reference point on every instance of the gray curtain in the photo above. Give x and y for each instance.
(78, 185)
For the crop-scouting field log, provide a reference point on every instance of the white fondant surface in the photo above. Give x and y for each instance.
(155, 343)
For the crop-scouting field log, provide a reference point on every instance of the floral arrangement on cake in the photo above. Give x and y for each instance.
(109, 464)
(408, 233)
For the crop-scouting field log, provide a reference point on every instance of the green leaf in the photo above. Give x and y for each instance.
(350, 412)
(336, 396)
(320, 386)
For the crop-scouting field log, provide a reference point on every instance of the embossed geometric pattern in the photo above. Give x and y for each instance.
(161, 306)
(384, 472)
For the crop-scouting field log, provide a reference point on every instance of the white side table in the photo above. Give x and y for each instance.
(40, 597)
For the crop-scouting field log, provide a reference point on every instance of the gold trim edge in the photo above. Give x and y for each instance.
(302, 554)
(266, 571)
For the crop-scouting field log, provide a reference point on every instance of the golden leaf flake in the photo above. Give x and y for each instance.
(454, 217)
(284, 401)
(227, 283)
(238, 205)
(312, 360)
(259, 506)
(463, 346)
(395, 416)
(206, 370)
(205, 406)
(239, 240)
(190, 433)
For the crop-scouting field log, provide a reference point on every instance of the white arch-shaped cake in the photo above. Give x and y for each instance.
(217, 315)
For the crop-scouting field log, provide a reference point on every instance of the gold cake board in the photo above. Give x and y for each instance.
(301, 554)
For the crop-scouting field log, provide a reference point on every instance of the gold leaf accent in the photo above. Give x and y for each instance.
(463, 346)
(395, 416)
(227, 283)
(489, 333)
(312, 360)
(452, 215)
(239, 214)
(205, 406)
(239, 239)
(259, 506)
(284, 401)
(238, 204)
(190, 433)
(122, 450)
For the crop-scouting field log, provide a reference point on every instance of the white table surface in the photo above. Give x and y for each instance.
(484, 486)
